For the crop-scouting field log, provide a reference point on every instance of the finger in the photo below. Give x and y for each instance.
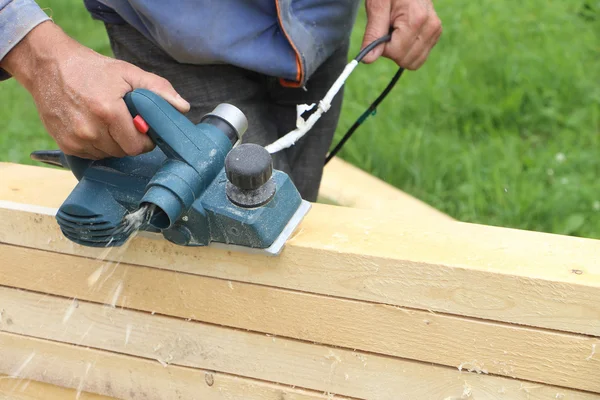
(406, 33)
(138, 78)
(87, 152)
(378, 25)
(99, 153)
(428, 38)
(97, 134)
(420, 60)
(107, 144)
(130, 140)
(88, 156)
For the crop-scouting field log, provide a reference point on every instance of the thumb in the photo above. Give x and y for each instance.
(378, 25)
(138, 78)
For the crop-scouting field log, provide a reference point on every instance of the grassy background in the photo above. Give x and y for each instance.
(501, 126)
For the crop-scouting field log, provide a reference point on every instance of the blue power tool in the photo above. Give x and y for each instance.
(200, 186)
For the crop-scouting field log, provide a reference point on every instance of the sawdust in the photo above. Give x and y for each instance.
(362, 358)
(85, 334)
(472, 366)
(95, 276)
(591, 356)
(341, 237)
(332, 356)
(70, 310)
(135, 220)
(128, 333)
(116, 294)
(82, 380)
(25, 385)
(17, 373)
(162, 362)
(527, 389)
(466, 394)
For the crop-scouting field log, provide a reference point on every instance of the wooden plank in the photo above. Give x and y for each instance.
(501, 349)
(47, 186)
(194, 345)
(346, 185)
(130, 378)
(499, 274)
(366, 191)
(27, 389)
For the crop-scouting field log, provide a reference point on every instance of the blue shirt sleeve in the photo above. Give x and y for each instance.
(17, 19)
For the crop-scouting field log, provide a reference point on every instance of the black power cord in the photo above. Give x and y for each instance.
(373, 107)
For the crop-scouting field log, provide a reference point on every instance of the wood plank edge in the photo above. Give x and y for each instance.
(13, 388)
(123, 376)
(349, 186)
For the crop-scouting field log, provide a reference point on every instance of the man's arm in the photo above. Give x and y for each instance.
(416, 30)
(78, 92)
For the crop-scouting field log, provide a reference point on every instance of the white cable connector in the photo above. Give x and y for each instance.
(303, 126)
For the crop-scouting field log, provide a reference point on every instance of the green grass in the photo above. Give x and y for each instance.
(500, 127)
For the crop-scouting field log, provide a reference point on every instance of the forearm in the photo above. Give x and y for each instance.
(37, 53)
(17, 19)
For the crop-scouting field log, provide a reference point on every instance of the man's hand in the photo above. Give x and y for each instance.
(79, 93)
(416, 25)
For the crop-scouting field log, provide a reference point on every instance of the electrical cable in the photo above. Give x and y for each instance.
(368, 112)
(373, 107)
(371, 46)
(316, 110)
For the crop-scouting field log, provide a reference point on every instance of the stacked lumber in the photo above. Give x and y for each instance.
(361, 304)
(344, 184)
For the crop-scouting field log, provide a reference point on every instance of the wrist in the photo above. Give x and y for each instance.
(37, 49)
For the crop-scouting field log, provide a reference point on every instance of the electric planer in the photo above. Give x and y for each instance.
(200, 186)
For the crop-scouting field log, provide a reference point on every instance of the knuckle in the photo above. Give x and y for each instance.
(418, 63)
(163, 83)
(72, 147)
(399, 61)
(419, 18)
(101, 109)
(83, 132)
(375, 6)
(435, 27)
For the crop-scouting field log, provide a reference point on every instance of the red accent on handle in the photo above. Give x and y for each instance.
(140, 124)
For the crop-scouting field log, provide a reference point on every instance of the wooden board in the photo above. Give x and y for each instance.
(176, 343)
(496, 348)
(346, 185)
(24, 183)
(130, 378)
(366, 191)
